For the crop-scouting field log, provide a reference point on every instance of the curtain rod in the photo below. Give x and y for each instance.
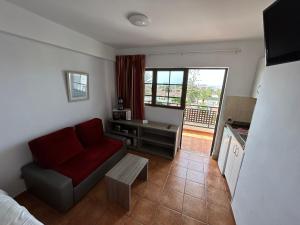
(234, 51)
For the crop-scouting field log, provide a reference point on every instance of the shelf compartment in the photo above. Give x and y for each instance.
(133, 147)
(153, 138)
(163, 140)
(161, 133)
(156, 149)
(123, 134)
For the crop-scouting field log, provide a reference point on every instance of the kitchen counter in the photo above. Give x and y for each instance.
(232, 152)
(241, 137)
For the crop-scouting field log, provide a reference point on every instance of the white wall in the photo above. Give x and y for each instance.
(20, 22)
(268, 187)
(261, 66)
(242, 67)
(33, 98)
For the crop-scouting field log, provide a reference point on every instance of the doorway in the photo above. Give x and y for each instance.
(205, 88)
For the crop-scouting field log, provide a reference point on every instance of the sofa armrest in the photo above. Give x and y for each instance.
(113, 136)
(51, 186)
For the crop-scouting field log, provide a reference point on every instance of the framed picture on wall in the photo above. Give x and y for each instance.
(77, 85)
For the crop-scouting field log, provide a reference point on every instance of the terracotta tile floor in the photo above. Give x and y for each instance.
(196, 141)
(186, 191)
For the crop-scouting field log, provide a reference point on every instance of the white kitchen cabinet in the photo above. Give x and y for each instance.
(223, 154)
(230, 161)
(233, 165)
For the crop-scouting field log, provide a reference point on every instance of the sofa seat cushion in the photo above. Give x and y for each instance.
(55, 148)
(82, 165)
(107, 147)
(90, 133)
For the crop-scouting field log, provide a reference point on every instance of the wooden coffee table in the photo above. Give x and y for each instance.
(120, 178)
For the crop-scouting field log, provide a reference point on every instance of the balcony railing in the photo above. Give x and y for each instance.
(204, 116)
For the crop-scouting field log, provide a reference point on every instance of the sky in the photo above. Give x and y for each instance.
(176, 77)
(210, 77)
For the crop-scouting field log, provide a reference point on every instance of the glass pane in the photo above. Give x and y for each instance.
(148, 76)
(175, 91)
(163, 77)
(176, 77)
(148, 99)
(161, 101)
(174, 102)
(148, 89)
(79, 85)
(162, 90)
(207, 77)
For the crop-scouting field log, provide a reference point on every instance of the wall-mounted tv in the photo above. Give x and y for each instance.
(282, 32)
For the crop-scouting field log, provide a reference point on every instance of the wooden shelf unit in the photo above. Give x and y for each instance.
(154, 138)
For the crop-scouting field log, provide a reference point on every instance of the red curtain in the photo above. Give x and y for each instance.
(130, 83)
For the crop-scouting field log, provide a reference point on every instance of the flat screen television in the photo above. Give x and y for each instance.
(282, 32)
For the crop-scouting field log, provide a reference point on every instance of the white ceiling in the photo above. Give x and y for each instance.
(173, 21)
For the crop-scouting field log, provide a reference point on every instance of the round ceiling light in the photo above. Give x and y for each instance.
(138, 19)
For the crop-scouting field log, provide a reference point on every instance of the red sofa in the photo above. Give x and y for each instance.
(70, 161)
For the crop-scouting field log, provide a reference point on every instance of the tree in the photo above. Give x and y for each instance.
(205, 94)
(218, 93)
(192, 89)
(192, 96)
(196, 91)
(175, 101)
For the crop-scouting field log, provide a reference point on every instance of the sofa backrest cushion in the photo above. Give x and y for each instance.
(90, 133)
(55, 148)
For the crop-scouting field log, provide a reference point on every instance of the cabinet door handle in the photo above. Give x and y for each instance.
(237, 152)
(234, 149)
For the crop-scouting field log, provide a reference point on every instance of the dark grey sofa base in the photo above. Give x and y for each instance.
(49, 185)
(57, 190)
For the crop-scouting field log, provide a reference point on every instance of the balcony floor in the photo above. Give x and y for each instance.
(196, 141)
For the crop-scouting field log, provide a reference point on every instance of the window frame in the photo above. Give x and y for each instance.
(154, 87)
(151, 88)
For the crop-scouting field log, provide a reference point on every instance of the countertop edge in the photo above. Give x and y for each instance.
(236, 135)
